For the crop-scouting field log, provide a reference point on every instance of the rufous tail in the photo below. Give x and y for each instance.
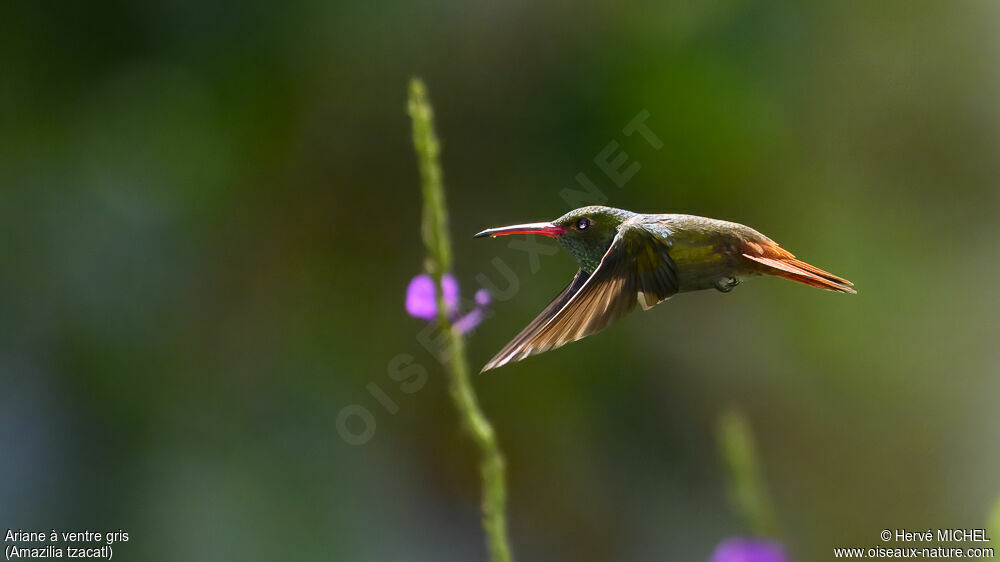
(802, 272)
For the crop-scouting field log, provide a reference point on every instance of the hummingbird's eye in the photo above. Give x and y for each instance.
(583, 224)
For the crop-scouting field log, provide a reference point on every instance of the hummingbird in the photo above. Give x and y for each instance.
(627, 258)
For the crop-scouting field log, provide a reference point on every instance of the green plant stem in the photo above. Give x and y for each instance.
(746, 485)
(994, 523)
(435, 235)
(491, 461)
(434, 226)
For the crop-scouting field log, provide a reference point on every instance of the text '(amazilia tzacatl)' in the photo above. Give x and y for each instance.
(628, 257)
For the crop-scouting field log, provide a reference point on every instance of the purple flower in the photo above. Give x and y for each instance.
(421, 302)
(450, 287)
(749, 550)
(483, 297)
(469, 321)
(421, 297)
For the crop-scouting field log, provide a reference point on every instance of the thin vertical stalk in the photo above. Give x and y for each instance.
(435, 235)
(746, 485)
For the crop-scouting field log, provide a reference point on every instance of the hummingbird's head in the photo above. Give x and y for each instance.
(586, 233)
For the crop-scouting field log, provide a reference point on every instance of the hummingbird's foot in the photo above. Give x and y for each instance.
(726, 284)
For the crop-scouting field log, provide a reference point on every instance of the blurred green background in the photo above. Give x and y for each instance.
(210, 213)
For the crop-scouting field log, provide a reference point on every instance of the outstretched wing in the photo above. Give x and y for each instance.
(523, 339)
(636, 267)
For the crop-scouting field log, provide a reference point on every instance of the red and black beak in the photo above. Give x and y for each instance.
(543, 228)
